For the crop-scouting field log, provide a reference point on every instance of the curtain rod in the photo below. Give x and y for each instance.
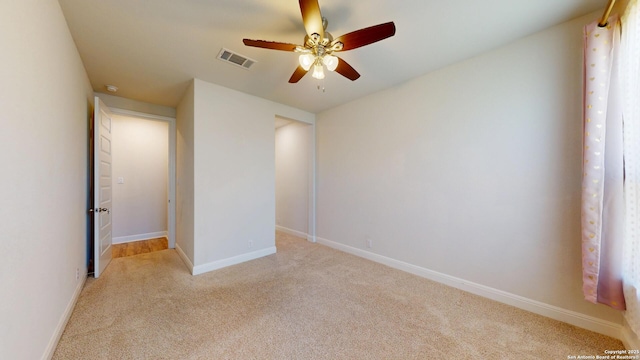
(605, 17)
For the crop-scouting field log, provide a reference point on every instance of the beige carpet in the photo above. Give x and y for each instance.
(305, 302)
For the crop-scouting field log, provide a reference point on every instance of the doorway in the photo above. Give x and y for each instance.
(167, 207)
(170, 170)
(295, 177)
(140, 181)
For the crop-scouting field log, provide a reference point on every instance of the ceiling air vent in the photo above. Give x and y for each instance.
(235, 59)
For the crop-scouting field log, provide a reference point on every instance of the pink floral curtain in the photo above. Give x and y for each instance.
(603, 175)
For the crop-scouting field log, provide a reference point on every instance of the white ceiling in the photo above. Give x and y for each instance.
(150, 49)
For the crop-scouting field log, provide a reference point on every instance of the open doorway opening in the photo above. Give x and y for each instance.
(294, 159)
(140, 178)
(101, 181)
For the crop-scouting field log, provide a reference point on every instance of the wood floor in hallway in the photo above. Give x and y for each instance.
(139, 247)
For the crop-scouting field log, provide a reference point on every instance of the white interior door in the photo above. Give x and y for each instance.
(102, 187)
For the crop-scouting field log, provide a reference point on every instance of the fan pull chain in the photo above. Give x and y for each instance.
(321, 85)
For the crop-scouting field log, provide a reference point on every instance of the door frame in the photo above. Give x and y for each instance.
(312, 184)
(171, 191)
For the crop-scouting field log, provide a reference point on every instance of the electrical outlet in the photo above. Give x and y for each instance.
(77, 274)
(250, 244)
(369, 243)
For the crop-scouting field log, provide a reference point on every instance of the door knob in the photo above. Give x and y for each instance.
(103, 209)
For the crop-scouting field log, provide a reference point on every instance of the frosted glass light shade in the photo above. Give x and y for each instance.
(318, 72)
(306, 60)
(330, 61)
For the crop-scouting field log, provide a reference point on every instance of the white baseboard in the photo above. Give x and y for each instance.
(138, 237)
(292, 232)
(629, 338)
(64, 319)
(219, 264)
(185, 258)
(297, 233)
(571, 317)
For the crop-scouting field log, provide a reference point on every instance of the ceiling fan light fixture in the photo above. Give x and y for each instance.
(330, 61)
(306, 60)
(319, 45)
(318, 72)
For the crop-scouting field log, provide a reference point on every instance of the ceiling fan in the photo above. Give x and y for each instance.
(319, 45)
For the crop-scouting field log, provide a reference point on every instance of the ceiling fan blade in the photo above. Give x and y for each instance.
(311, 17)
(346, 70)
(270, 45)
(297, 75)
(366, 36)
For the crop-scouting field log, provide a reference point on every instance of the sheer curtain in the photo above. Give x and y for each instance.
(630, 71)
(611, 163)
(602, 185)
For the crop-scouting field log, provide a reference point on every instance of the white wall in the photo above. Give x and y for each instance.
(292, 151)
(141, 159)
(45, 98)
(473, 171)
(233, 173)
(185, 176)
